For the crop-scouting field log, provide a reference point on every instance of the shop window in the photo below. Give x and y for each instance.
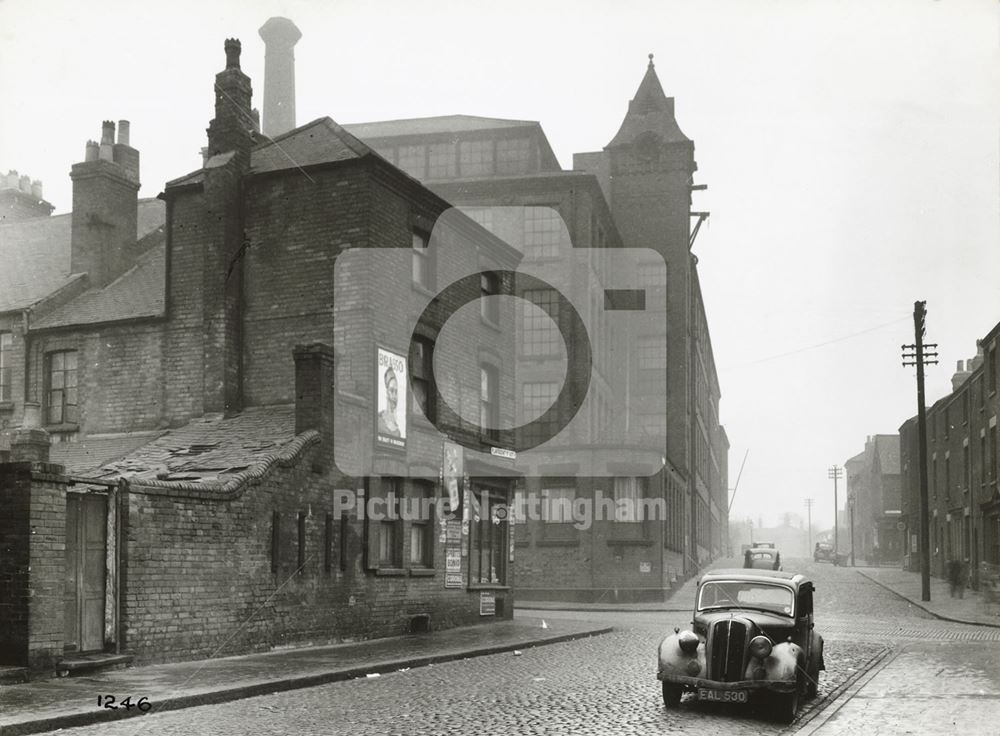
(61, 400)
(389, 528)
(421, 525)
(488, 537)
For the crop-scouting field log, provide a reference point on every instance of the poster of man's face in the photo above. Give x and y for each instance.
(391, 380)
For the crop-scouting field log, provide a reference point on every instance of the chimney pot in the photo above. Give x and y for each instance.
(92, 151)
(36, 189)
(123, 132)
(107, 132)
(280, 36)
(12, 180)
(24, 184)
(233, 49)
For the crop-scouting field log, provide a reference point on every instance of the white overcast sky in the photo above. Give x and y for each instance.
(850, 148)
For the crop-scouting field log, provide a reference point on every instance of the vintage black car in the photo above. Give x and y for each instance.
(824, 552)
(762, 558)
(752, 639)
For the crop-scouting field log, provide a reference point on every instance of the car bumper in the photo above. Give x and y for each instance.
(778, 686)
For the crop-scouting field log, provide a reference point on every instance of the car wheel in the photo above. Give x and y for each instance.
(788, 705)
(812, 687)
(671, 694)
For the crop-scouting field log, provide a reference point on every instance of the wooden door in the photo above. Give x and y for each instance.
(86, 560)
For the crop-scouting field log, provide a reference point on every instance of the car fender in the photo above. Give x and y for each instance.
(817, 650)
(784, 661)
(672, 660)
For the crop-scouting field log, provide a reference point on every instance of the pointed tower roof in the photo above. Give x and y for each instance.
(649, 111)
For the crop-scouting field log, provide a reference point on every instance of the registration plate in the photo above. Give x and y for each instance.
(722, 696)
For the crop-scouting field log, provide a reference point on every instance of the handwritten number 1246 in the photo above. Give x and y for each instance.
(108, 701)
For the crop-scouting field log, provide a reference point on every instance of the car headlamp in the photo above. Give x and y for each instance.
(760, 646)
(688, 642)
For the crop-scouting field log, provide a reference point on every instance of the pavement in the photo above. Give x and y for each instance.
(45, 705)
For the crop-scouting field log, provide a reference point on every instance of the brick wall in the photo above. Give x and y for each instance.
(200, 579)
(32, 559)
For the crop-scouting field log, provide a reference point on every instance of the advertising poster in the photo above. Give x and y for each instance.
(453, 476)
(487, 603)
(391, 381)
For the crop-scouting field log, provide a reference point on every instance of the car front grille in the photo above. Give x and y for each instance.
(729, 640)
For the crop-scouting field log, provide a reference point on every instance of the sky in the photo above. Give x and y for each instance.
(851, 152)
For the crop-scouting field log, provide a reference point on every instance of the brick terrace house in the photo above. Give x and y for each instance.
(636, 192)
(873, 489)
(962, 460)
(175, 369)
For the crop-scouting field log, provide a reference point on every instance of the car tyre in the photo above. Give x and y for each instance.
(812, 687)
(788, 705)
(671, 694)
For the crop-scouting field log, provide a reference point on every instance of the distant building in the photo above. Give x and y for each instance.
(962, 451)
(873, 483)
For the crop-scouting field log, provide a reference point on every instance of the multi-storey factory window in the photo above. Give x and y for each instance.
(536, 398)
(513, 155)
(61, 389)
(413, 160)
(5, 363)
(476, 158)
(540, 335)
(543, 232)
(481, 215)
(441, 161)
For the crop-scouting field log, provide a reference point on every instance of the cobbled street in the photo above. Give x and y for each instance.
(607, 684)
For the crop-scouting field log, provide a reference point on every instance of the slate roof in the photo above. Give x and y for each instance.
(35, 254)
(430, 125)
(139, 292)
(317, 142)
(205, 450)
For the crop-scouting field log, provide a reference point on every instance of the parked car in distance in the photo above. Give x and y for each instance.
(762, 558)
(824, 552)
(752, 640)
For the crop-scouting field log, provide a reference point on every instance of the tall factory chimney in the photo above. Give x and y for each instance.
(280, 36)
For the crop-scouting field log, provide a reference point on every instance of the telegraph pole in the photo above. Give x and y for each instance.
(916, 355)
(850, 503)
(809, 526)
(836, 473)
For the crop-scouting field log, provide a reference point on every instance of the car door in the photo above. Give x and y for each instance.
(804, 618)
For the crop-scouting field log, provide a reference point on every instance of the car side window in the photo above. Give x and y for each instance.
(805, 602)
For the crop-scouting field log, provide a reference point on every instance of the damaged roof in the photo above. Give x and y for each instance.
(208, 449)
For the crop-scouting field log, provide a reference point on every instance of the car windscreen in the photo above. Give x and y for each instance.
(758, 596)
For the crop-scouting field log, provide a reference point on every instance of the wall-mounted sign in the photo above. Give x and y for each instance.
(391, 380)
(453, 532)
(503, 452)
(453, 560)
(487, 603)
(454, 580)
(453, 478)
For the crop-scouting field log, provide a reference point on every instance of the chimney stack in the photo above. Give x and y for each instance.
(21, 198)
(962, 372)
(232, 127)
(104, 227)
(280, 36)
